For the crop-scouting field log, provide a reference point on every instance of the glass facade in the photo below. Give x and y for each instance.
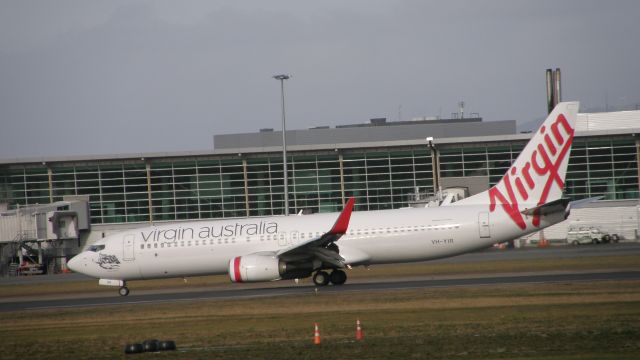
(385, 179)
(491, 160)
(207, 186)
(607, 168)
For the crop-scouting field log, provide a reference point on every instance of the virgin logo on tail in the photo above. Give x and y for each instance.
(544, 165)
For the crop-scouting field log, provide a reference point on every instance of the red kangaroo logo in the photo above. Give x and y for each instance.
(545, 160)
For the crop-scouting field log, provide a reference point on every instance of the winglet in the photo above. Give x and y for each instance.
(341, 225)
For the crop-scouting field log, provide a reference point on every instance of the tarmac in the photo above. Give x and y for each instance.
(233, 291)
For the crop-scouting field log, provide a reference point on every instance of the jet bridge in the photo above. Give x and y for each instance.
(35, 239)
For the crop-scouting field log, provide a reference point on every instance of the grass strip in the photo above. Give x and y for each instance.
(599, 320)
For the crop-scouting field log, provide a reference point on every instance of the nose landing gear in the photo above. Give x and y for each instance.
(337, 277)
(121, 284)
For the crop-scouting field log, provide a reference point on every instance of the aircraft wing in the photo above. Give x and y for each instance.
(318, 247)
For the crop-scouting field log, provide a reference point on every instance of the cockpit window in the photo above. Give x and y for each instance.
(96, 248)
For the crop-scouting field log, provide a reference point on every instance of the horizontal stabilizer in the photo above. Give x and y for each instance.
(577, 204)
(555, 206)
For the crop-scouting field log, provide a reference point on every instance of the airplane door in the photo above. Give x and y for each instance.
(128, 246)
(483, 224)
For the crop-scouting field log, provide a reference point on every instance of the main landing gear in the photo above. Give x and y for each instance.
(123, 291)
(322, 278)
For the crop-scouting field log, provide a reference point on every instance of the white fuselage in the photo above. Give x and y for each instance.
(373, 237)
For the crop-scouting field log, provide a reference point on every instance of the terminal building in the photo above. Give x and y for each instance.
(383, 164)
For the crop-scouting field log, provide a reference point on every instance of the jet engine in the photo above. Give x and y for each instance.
(266, 267)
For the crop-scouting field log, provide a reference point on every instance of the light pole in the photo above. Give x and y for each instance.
(435, 161)
(282, 78)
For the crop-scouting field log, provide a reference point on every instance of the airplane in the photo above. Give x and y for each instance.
(527, 198)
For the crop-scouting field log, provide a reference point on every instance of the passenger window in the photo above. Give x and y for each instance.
(197, 242)
(148, 246)
(162, 245)
(155, 245)
(142, 246)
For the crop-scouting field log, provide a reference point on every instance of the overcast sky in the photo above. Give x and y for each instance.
(108, 77)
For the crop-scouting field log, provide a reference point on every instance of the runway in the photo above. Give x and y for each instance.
(226, 293)
(492, 254)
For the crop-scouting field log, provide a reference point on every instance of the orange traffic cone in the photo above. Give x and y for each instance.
(316, 335)
(359, 334)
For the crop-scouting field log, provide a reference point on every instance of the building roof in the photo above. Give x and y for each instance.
(409, 134)
(383, 131)
(608, 120)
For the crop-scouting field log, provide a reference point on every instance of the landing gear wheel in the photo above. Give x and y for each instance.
(123, 291)
(321, 278)
(338, 277)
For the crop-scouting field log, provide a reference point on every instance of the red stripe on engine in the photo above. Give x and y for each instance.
(236, 269)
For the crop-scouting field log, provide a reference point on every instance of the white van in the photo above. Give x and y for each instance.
(589, 235)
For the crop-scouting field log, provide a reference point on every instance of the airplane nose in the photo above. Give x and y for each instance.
(74, 263)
